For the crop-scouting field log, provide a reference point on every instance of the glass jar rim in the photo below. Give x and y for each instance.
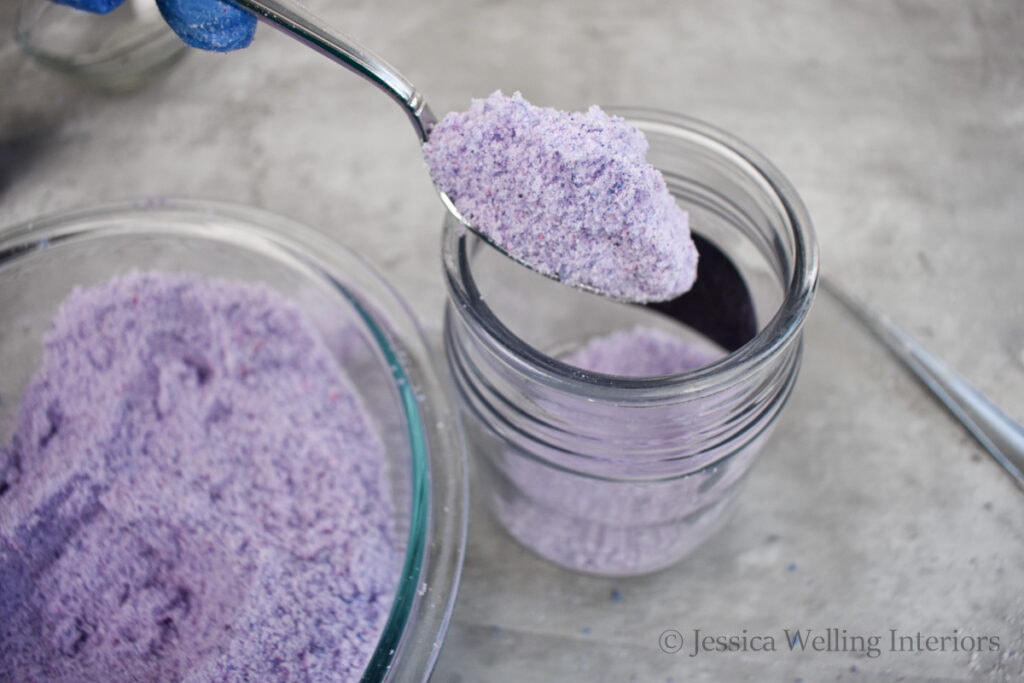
(781, 330)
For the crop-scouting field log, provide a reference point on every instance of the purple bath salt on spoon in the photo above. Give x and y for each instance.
(570, 195)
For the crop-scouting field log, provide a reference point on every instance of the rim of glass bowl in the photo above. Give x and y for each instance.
(780, 330)
(411, 641)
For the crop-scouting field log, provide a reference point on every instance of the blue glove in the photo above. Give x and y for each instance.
(217, 25)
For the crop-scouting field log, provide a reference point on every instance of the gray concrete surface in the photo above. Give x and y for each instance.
(902, 125)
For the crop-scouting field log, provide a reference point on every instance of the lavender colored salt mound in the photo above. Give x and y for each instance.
(607, 526)
(641, 352)
(194, 493)
(569, 194)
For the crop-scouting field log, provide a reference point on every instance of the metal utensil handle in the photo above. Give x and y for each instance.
(298, 22)
(996, 431)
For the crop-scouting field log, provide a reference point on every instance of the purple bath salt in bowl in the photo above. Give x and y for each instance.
(193, 492)
(569, 194)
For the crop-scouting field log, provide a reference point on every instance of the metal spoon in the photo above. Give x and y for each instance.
(719, 305)
(299, 23)
(997, 433)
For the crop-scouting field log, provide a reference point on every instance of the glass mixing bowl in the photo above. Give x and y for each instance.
(366, 326)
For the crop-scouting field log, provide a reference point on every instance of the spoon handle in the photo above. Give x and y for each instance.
(298, 22)
(999, 434)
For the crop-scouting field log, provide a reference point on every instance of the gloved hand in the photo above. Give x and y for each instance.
(216, 25)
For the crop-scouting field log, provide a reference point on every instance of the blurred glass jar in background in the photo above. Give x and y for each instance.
(114, 52)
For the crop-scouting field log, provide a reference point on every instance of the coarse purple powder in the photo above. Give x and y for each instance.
(641, 352)
(193, 493)
(569, 194)
(615, 526)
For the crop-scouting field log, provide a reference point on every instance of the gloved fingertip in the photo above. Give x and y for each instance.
(213, 25)
(94, 6)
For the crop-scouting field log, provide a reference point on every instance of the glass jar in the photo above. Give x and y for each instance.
(617, 475)
(115, 52)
